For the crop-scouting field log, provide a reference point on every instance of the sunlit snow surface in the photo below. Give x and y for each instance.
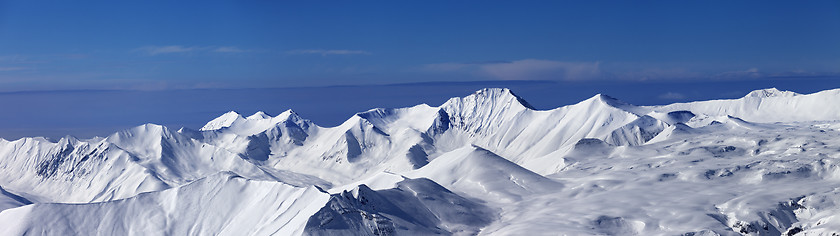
(487, 163)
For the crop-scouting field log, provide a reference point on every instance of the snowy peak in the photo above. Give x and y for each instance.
(491, 97)
(601, 100)
(144, 131)
(234, 123)
(771, 92)
(223, 121)
(485, 109)
(260, 115)
(419, 117)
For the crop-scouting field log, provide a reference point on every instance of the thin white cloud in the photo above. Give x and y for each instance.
(157, 50)
(656, 74)
(230, 50)
(528, 69)
(324, 52)
(542, 69)
(751, 73)
(802, 73)
(175, 49)
(671, 96)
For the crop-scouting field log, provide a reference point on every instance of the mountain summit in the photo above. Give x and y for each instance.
(771, 92)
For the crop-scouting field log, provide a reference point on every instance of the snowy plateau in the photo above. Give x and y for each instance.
(487, 164)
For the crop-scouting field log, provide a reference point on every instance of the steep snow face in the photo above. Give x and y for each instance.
(412, 207)
(10, 200)
(223, 121)
(815, 214)
(526, 136)
(485, 110)
(418, 118)
(178, 159)
(142, 159)
(255, 136)
(221, 204)
(768, 105)
(637, 132)
(72, 171)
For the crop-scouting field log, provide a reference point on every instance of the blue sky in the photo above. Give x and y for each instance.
(152, 45)
(89, 68)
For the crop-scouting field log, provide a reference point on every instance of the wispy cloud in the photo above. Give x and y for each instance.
(324, 52)
(230, 50)
(176, 49)
(536, 69)
(157, 50)
(656, 74)
(754, 73)
(671, 96)
(751, 73)
(528, 69)
(802, 74)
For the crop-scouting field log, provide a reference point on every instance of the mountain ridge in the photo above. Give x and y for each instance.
(487, 149)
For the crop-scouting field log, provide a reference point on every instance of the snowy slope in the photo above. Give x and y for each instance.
(227, 204)
(404, 139)
(487, 163)
(72, 171)
(412, 207)
(496, 119)
(726, 182)
(142, 159)
(769, 105)
(10, 200)
(220, 204)
(484, 175)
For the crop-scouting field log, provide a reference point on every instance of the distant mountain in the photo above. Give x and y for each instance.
(769, 105)
(486, 163)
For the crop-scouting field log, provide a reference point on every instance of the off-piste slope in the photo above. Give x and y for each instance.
(721, 179)
(71, 170)
(769, 105)
(482, 174)
(485, 163)
(10, 200)
(412, 207)
(228, 204)
(142, 159)
(220, 204)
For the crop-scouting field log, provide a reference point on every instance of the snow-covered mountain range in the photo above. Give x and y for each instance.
(487, 163)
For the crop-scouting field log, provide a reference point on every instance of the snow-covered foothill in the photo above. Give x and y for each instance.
(220, 204)
(487, 163)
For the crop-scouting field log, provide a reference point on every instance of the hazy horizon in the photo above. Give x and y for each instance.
(88, 113)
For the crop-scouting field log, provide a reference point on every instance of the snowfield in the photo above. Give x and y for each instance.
(484, 164)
